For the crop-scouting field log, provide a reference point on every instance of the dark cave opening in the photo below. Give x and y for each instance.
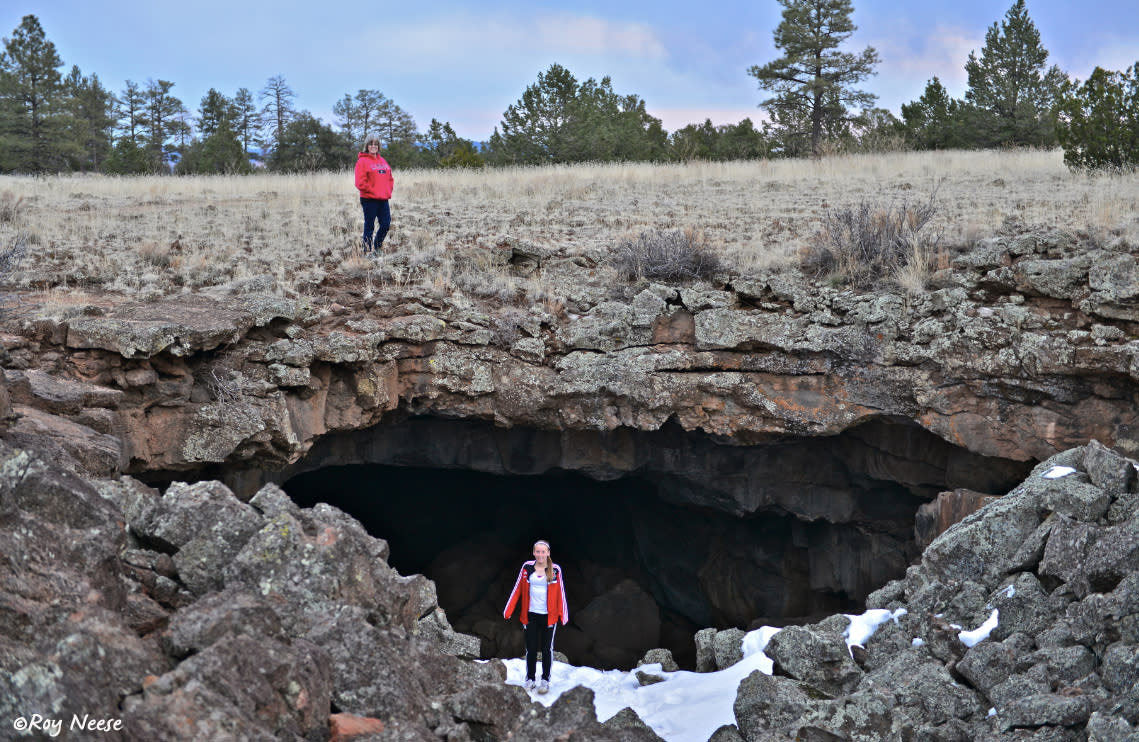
(640, 572)
(660, 533)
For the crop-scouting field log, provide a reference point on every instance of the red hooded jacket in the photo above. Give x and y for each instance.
(374, 177)
(555, 596)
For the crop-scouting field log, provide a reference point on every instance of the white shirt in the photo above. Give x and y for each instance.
(538, 592)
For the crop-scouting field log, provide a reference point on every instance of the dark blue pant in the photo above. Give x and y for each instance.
(374, 209)
(539, 638)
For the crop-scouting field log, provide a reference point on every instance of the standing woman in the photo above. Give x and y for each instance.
(540, 591)
(374, 181)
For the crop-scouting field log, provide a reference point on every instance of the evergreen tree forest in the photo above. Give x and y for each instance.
(58, 119)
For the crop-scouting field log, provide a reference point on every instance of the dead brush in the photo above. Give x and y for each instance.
(866, 244)
(356, 265)
(10, 207)
(673, 255)
(155, 254)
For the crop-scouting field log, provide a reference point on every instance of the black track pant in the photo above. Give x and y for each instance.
(539, 638)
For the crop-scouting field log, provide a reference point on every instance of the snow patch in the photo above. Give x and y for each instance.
(1058, 471)
(970, 638)
(687, 706)
(862, 627)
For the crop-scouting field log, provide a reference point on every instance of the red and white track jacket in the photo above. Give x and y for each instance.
(555, 596)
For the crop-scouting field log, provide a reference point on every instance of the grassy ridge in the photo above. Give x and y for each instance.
(148, 236)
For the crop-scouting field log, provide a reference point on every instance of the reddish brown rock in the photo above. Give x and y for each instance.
(345, 727)
(935, 517)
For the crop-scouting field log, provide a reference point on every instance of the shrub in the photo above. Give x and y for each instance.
(868, 243)
(10, 206)
(674, 255)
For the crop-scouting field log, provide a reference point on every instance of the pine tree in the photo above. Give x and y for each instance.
(32, 129)
(278, 110)
(161, 119)
(934, 121)
(536, 129)
(247, 124)
(1099, 122)
(360, 115)
(129, 111)
(694, 142)
(740, 141)
(220, 152)
(218, 148)
(396, 129)
(559, 120)
(90, 107)
(813, 81)
(215, 111)
(606, 126)
(1012, 93)
(308, 144)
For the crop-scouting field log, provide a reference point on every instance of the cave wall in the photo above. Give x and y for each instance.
(820, 478)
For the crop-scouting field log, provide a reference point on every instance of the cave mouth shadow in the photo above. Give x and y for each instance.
(641, 572)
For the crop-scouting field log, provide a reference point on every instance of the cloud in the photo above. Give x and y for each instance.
(463, 38)
(942, 52)
(910, 59)
(677, 118)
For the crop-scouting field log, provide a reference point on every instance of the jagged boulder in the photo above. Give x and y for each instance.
(819, 658)
(1060, 656)
(282, 688)
(306, 613)
(65, 641)
(572, 716)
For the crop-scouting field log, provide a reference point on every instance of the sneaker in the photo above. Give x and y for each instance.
(544, 686)
(528, 685)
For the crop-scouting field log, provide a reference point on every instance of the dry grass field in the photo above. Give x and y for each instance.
(75, 238)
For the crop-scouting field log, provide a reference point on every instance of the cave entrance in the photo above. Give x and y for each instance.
(640, 572)
(660, 533)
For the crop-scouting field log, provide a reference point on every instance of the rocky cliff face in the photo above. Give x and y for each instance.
(194, 614)
(760, 396)
(1025, 347)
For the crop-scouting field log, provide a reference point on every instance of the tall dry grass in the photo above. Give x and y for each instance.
(148, 236)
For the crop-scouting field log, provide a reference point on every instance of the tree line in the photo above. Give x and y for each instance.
(51, 122)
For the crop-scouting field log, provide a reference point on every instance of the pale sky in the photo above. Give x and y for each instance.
(465, 63)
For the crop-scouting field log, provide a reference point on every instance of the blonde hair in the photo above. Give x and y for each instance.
(549, 562)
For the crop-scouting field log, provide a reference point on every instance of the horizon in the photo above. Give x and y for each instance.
(465, 64)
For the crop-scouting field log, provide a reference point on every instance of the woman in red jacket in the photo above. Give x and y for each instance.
(374, 181)
(540, 592)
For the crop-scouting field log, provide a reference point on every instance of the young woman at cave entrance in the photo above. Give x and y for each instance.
(540, 592)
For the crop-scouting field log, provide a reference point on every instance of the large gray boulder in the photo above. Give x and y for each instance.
(1089, 558)
(820, 659)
